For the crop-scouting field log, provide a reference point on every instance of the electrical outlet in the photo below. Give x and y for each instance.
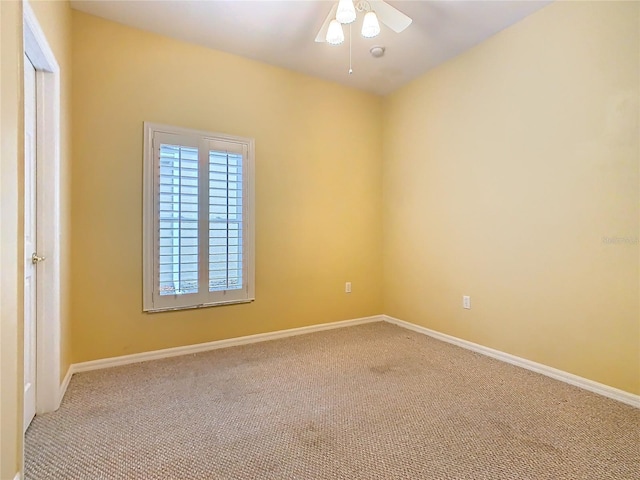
(347, 287)
(466, 302)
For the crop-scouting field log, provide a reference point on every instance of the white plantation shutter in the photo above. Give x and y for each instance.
(225, 215)
(178, 220)
(198, 219)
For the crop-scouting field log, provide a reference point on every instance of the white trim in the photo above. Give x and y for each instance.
(64, 385)
(18, 476)
(571, 379)
(204, 347)
(37, 49)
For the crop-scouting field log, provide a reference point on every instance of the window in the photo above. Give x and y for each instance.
(198, 219)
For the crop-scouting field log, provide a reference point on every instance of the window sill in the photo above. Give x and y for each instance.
(202, 305)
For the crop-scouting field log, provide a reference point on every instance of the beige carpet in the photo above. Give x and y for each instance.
(369, 402)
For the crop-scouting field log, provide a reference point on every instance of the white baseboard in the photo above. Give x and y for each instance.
(571, 379)
(18, 476)
(575, 380)
(204, 347)
(64, 385)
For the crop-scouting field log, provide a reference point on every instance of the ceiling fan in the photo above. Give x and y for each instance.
(345, 12)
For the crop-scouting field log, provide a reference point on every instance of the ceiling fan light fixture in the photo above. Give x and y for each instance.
(346, 12)
(335, 35)
(370, 25)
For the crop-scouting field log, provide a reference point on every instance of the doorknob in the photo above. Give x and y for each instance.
(36, 259)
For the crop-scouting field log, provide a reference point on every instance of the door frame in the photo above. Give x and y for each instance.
(48, 305)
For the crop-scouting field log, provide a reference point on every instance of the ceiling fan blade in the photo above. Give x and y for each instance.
(322, 34)
(390, 16)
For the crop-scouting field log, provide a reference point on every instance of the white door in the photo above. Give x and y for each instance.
(31, 258)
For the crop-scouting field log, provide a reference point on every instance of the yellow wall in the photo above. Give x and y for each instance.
(10, 247)
(503, 171)
(318, 188)
(55, 20)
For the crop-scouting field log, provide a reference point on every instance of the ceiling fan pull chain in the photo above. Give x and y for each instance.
(350, 69)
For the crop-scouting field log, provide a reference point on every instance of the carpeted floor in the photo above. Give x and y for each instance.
(369, 402)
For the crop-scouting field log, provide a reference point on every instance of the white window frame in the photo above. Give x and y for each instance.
(152, 300)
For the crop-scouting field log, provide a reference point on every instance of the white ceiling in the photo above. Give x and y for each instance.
(282, 33)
